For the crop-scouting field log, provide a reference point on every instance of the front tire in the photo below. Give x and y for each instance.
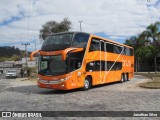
(87, 83)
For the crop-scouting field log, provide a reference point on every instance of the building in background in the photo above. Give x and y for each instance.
(30, 63)
(17, 65)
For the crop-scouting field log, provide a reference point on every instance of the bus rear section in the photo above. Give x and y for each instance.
(108, 61)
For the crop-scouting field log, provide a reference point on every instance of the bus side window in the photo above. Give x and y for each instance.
(117, 49)
(95, 45)
(127, 50)
(109, 47)
(80, 40)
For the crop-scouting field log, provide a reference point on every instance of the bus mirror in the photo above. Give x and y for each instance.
(33, 53)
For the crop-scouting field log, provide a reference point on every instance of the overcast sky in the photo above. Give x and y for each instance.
(21, 20)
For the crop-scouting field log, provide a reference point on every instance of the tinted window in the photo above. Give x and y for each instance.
(95, 45)
(97, 66)
(52, 65)
(117, 49)
(74, 60)
(80, 40)
(57, 42)
(128, 51)
(109, 47)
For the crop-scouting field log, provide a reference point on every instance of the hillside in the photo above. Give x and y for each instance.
(7, 51)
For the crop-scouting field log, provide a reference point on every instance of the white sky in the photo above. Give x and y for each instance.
(115, 19)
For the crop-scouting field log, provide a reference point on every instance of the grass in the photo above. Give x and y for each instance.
(154, 84)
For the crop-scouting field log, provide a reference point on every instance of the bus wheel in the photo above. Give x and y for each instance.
(127, 77)
(87, 83)
(123, 78)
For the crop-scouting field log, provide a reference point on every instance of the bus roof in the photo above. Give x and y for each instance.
(95, 36)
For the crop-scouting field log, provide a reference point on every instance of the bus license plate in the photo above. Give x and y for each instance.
(48, 86)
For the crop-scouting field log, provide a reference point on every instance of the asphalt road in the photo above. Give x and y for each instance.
(24, 95)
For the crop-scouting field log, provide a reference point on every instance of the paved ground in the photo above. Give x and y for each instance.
(24, 95)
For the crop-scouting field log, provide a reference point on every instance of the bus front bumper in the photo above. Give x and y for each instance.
(53, 84)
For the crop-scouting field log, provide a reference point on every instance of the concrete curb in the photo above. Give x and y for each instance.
(145, 75)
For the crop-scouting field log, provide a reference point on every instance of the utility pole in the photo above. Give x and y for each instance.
(25, 44)
(80, 25)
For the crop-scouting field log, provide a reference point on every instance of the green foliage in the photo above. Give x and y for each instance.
(13, 58)
(154, 50)
(31, 71)
(151, 35)
(143, 52)
(2, 59)
(146, 44)
(51, 27)
(10, 53)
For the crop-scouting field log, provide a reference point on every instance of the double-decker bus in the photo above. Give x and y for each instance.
(72, 60)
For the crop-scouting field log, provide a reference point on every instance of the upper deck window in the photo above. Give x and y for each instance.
(65, 40)
(57, 42)
(80, 40)
(128, 51)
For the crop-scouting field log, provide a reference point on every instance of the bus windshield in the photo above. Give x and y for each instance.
(65, 40)
(52, 65)
(57, 42)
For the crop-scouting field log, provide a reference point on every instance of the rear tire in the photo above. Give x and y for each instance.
(123, 79)
(127, 77)
(87, 83)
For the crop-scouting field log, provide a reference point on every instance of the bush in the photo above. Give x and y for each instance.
(31, 71)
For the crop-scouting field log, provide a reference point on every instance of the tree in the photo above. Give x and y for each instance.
(145, 52)
(154, 50)
(51, 27)
(136, 42)
(131, 41)
(15, 58)
(142, 53)
(150, 35)
(154, 35)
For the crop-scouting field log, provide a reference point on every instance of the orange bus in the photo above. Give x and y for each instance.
(72, 60)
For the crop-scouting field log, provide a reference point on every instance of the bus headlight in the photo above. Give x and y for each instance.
(62, 80)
